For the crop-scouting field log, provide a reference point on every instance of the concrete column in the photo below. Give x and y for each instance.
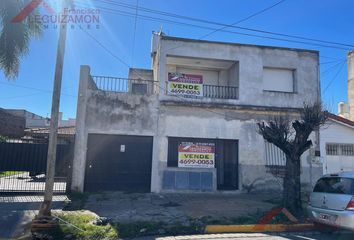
(79, 163)
(351, 84)
(155, 172)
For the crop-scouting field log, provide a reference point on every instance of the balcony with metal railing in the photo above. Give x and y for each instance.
(149, 87)
(124, 85)
(206, 91)
(221, 92)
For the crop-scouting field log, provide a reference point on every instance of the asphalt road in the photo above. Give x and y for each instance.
(263, 236)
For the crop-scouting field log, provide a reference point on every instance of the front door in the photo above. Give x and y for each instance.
(227, 165)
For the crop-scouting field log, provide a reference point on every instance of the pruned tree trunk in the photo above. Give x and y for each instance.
(293, 142)
(292, 185)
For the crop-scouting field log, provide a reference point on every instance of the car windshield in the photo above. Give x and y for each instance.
(337, 185)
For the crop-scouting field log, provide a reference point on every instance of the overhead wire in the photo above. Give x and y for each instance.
(156, 19)
(134, 30)
(334, 78)
(32, 88)
(127, 65)
(184, 17)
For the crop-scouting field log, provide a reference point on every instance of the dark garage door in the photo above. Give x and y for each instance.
(118, 163)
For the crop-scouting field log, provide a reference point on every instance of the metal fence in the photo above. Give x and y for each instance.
(135, 86)
(275, 160)
(23, 167)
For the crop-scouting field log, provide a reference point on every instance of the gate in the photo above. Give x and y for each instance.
(23, 167)
(118, 163)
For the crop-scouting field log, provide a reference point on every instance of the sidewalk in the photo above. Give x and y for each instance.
(170, 207)
(262, 236)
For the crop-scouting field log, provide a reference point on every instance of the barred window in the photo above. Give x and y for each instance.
(332, 149)
(274, 156)
(347, 149)
(336, 149)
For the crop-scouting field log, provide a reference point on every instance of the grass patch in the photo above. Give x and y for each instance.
(84, 228)
(9, 173)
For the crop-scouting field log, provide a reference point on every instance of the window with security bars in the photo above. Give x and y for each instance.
(347, 149)
(336, 149)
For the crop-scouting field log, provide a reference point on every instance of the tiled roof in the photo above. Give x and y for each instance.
(341, 119)
(63, 131)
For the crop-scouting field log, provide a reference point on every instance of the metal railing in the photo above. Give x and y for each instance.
(223, 92)
(124, 85)
(139, 86)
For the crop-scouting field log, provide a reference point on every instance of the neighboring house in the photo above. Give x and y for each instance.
(337, 136)
(32, 120)
(11, 126)
(70, 122)
(337, 145)
(36, 121)
(65, 135)
(189, 124)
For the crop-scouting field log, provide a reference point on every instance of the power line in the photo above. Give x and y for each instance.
(329, 62)
(245, 19)
(329, 69)
(149, 18)
(235, 23)
(322, 56)
(334, 78)
(32, 88)
(169, 14)
(21, 96)
(134, 32)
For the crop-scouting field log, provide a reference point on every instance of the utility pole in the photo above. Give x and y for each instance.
(45, 209)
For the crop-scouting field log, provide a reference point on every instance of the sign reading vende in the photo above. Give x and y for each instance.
(196, 155)
(187, 85)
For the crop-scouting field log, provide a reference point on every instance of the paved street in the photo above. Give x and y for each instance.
(16, 212)
(263, 236)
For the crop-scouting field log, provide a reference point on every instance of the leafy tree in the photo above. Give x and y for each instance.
(15, 37)
(292, 138)
(3, 138)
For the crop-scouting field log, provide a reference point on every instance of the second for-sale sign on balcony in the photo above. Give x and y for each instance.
(196, 155)
(187, 85)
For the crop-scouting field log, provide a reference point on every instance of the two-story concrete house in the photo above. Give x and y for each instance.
(189, 123)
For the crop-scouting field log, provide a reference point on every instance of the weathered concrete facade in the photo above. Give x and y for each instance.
(164, 116)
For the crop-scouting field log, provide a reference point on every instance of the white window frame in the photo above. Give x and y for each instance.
(340, 149)
(294, 85)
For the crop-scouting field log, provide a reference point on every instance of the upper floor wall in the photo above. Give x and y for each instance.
(234, 74)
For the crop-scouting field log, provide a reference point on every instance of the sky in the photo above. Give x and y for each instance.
(129, 38)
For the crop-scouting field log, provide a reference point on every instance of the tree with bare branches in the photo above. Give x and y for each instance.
(292, 137)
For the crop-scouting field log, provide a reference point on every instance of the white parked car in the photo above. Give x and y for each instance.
(332, 202)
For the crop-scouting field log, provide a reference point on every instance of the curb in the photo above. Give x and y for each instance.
(257, 228)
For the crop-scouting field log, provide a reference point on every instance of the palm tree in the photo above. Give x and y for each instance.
(15, 37)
